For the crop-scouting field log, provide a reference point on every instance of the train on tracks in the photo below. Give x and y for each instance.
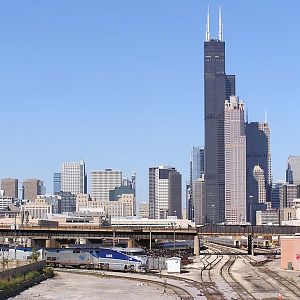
(235, 243)
(115, 259)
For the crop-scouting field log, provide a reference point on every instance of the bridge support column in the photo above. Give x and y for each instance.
(37, 243)
(250, 245)
(52, 243)
(84, 241)
(131, 243)
(29, 243)
(196, 245)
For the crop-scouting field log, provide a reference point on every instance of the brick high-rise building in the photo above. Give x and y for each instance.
(10, 187)
(32, 188)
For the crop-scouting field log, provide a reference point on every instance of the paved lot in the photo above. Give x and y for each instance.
(87, 287)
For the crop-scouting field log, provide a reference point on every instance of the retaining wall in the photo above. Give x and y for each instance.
(10, 273)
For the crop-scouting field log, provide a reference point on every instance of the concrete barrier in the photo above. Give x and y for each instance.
(11, 292)
(18, 271)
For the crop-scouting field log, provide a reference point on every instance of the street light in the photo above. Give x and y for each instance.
(213, 209)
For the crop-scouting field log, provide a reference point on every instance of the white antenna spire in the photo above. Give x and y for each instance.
(220, 33)
(207, 33)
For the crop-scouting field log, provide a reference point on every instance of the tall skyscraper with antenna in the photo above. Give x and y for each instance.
(218, 86)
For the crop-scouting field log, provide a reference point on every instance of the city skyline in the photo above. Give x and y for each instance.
(38, 82)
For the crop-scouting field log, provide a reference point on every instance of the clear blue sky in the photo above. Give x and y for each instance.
(119, 83)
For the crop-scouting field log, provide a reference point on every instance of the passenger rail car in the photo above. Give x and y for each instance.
(102, 258)
(224, 241)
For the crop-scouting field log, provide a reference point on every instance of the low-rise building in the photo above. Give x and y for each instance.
(5, 202)
(37, 209)
(290, 253)
(124, 206)
(267, 217)
(144, 209)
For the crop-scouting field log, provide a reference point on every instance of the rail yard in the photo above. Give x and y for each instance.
(223, 270)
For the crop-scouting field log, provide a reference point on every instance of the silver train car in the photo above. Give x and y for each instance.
(224, 241)
(99, 258)
(257, 243)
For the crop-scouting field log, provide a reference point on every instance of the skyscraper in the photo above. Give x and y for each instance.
(199, 200)
(103, 181)
(218, 86)
(293, 170)
(73, 177)
(235, 161)
(32, 188)
(258, 153)
(196, 171)
(164, 192)
(56, 183)
(10, 187)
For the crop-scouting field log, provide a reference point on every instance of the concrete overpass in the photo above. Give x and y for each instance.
(144, 233)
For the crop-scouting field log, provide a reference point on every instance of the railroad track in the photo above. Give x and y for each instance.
(182, 293)
(239, 289)
(287, 284)
(211, 289)
(280, 280)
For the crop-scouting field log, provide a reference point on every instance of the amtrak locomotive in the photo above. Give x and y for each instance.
(102, 258)
(125, 259)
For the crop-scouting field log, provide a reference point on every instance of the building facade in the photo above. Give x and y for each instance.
(164, 192)
(144, 209)
(10, 187)
(73, 177)
(32, 188)
(235, 161)
(218, 86)
(275, 197)
(196, 171)
(37, 208)
(124, 206)
(104, 181)
(288, 192)
(199, 200)
(258, 153)
(293, 170)
(67, 202)
(56, 183)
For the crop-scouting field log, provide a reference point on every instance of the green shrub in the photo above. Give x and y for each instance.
(48, 271)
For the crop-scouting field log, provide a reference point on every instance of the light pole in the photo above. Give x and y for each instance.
(213, 209)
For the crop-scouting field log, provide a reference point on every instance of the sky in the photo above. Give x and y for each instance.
(119, 83)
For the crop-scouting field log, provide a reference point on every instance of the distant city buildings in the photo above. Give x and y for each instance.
(144, 209)
(67, 202)
(258, 155)
(103, 181)
(235, 161)
(73, 177)
(10, 187)
(37, 208)
(288, 192)
(196, 171)
(124, 206)
(164, 192)
(199, 200)
(32, 188)
(56, 183)
(293, 170)
(5, 202)
(275, 198)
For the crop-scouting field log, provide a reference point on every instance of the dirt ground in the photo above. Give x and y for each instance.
(88, 287)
